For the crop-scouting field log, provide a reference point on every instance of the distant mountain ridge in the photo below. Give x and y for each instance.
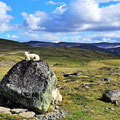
(70, 44)
(106, 45)
(60, 44)
(111, 48)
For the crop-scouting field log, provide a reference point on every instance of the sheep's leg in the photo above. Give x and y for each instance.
(53, 102)
(34, 58)
(28, 58)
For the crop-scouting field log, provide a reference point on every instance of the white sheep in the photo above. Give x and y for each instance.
(33, 57)
(59, 97)
(56, 96)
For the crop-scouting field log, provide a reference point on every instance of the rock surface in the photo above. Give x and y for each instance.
(72, 74)
(29, 83)
(55, 114)
(27, 114)
(18, 110)
(117, 67)
(111, 96)
(116, 74)
(105, 79)
(5, 110)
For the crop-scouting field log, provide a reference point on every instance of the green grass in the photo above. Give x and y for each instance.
(81, 101)
(9, 117)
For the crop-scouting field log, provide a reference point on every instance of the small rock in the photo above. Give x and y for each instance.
(70, 89)
(87, 87)
(106, 108)
(72, 74)
(66, 81)
(17, 111)
(58, 86)
(76, 88)
(117, 67)
(56, 64)
(86, 84)
(52, 107)
(66, 75)
(111, 96)
(91, 81)
(56, 107)
(105, 79)
(78, 74)
(116, 74)
(39, 117)
(5, 110)
(112, 108)
(27, 114)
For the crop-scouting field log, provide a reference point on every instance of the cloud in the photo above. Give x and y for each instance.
(14, 37)
(35, 21)
(41, 36)
(104, 1)
(4, 17)
(50, 37)
(51, 2)
(93, 37)
(79, 15)
(76, 17)
(59, 10)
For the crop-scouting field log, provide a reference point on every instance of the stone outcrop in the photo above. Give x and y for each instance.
(29, 83)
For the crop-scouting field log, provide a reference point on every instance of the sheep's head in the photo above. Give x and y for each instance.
(26, 52)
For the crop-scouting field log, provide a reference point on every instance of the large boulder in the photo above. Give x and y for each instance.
(29, 83)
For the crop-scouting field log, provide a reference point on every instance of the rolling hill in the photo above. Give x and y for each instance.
(54, 52)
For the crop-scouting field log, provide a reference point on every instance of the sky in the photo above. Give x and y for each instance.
(82, 21)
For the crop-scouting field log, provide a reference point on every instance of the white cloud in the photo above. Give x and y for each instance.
(51, 2)
(40, 36)
(78, 16)
(14, 37)
(93, 37)
(60, 10)
(50, 37)
(35, 21)
(4, 17)
(84, 10)
(104, 1)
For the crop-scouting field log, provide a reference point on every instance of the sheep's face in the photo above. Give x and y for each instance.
(26, 52)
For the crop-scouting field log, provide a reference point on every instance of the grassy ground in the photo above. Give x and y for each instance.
(82, 100)
(80, 94)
